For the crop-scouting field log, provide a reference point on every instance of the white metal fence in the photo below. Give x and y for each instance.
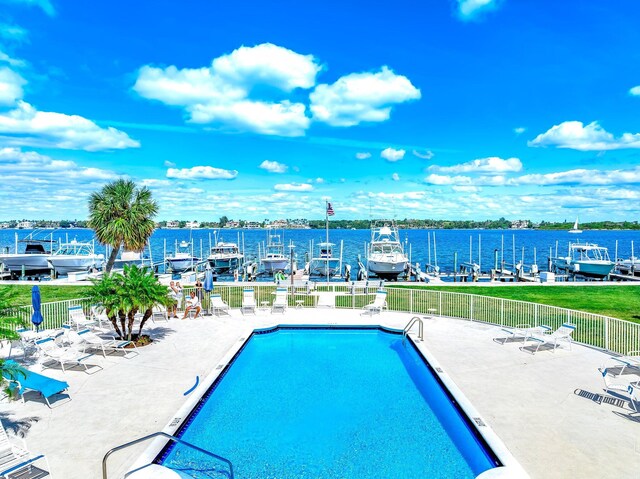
(602, 332)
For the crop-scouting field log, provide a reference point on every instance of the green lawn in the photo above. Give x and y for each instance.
(622, 302)
(49, 293)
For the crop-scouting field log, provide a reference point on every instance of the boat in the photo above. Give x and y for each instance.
(33, 258)
(586, 259)
(575, 228)
(274, 258)
(182, 258)
(75, 256)
(129, 258)
(225, 258)
(385, 256)
(325, 265)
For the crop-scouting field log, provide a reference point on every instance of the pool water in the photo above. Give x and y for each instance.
(330, 403)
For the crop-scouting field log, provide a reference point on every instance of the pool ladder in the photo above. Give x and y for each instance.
(415, 320)
(172, 439)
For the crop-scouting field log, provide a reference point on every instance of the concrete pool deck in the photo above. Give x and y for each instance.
(541, 406)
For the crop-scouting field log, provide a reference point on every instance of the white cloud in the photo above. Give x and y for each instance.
(635, 91)
(470, 8)
(201, 173)
(11, 85)
(519, 130)
(14, 33)
(361, 97)
(273, 166)
(434, 179)
(482, 165)
(293, 187)
(363, 156)
(395, 177)
(425, 156)
(26, 126)
(45, 5)
(582, 177)
(465, 189)
(14, 62)
(319, 180)
(222, 93)
(391, 154)
(576, 136)
(169, 164)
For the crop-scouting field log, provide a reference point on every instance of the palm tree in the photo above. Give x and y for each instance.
(8, 323)
(124, 295)
(122, 214)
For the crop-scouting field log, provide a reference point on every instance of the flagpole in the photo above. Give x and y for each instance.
(326, 215)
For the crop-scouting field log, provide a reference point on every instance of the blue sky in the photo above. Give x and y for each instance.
(458, 109)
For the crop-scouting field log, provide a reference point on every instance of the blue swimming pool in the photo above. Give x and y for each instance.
(330, 403)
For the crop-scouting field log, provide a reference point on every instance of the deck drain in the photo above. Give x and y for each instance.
(242, 339)
(219, 367)
(175, 422)
(479, 422)
(439, 370)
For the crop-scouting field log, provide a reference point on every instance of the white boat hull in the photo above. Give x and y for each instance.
(64, 264)
(31, 262)
(387, 268)
(594, 268)
(271, 265)
(181, 264)
(324, 267)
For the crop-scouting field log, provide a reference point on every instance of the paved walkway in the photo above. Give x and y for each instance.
(530, 401)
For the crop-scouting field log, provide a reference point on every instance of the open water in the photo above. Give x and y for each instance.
(479, 246)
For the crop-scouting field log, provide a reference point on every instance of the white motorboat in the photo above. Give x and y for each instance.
(75, 256)
(225, 257)
(385, 256)
(32, 259)
(325, 265)
(182, 258)
(129, 258)
(274, 259)
(575, 228)
(586, 259)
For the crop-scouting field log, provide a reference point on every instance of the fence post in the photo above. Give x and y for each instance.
(471, 307)
(502, 312)
(411, 301)
(440, 303)
(606, 334)
(535, 315)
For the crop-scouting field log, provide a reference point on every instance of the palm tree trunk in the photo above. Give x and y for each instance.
(112, 259)
(123, 319)
(131, 317)
(114, 322)
(147, 315)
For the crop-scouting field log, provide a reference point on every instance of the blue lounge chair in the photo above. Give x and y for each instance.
(33, 381)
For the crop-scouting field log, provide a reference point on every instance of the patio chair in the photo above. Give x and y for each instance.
(159, 312)
(628, 385)
(524, 331)
(280, 302)
(62, 355)
(630, 360)
(563, 333)
(217, 306)
(377, 305)
(32, 381)
(88, 340)
(77, 318)
(248, 301)
(17, 462)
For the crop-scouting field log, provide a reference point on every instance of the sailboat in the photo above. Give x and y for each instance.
(575, 227)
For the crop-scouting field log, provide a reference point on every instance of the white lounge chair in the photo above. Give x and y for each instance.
(563, 333)
(280, 303)
(628, 385)
(217, 306)
(77, 318)
(630, 360)
(524, 331)
(159, 312)
(377, 305)
(248, 301)
(16, 461)
(86, 339)
(326, 300)
(62, 355)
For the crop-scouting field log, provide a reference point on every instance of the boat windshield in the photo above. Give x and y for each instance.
(386, 248)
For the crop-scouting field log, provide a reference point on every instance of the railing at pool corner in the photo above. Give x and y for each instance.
(603, 332)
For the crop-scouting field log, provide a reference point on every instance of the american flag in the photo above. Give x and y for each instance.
(330, 211)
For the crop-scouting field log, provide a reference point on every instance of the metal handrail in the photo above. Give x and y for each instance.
(171, 438)
(410, 324)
